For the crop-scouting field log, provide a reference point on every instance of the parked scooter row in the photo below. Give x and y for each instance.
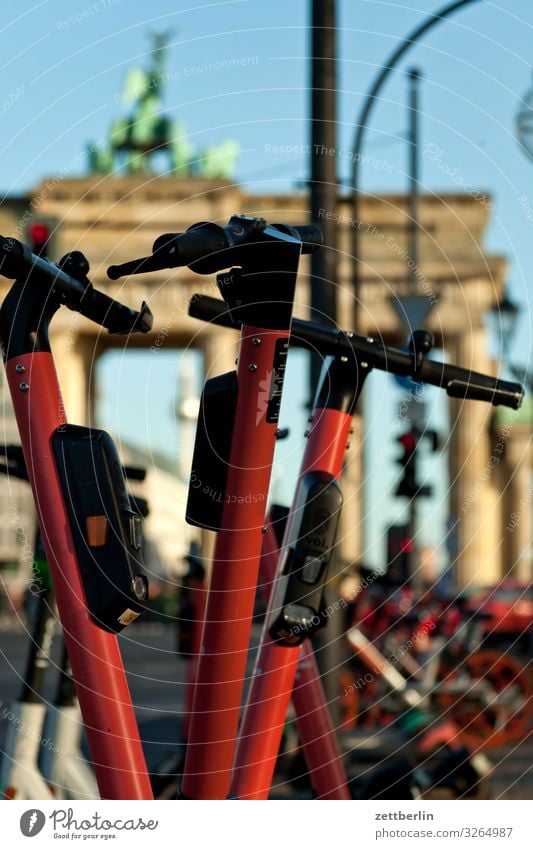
(299, 608)
(433, 657)
(92, 535)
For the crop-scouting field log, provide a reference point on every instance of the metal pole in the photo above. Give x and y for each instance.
(413, 222)
(324, 262)
(323, 164)
(362, 122)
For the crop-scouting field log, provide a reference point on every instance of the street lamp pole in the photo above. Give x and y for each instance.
(504, 316)
(414, 78)
(414, 36)
(323, 183)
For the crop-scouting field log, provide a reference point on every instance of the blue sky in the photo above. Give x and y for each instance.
(241, 69)
(63, 66)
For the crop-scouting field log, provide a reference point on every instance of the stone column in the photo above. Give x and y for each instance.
(75, 360)
(474, 494)
(351, 522)
(220, 351)
(517, 507)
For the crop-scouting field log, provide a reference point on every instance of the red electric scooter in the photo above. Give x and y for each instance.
(91, 535)
(297, 607)
(232, 461)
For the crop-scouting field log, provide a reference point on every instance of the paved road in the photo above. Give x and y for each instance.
(156, 676)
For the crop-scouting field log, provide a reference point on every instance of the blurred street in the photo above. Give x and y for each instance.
(156, 676)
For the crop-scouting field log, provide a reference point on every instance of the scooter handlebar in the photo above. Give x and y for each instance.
(114, 316)
(173, 250)
(458, 382)
(207, 247)
(472, 385)
(68, 279)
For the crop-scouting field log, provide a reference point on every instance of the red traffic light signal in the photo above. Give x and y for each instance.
(408, 485)
(408, 441)
(39, 236)
(406, 545)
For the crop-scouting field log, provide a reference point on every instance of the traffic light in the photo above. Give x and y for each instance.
(40, 233)
(400, 548)
(408, 485)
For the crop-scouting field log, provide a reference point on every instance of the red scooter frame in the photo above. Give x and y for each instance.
(276, 665)
(313, 719)
(98, 672)
(260, 292)
(231, 595)
(272, 685)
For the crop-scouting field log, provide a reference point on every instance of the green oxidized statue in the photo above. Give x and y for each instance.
(135, 139)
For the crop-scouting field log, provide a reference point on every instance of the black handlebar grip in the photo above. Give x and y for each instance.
(197, 248)
(471, 385)
(11, 257)
(503, 393)
(212, 310)
(95, 305)
(458, 382)
(115, 317)
(135, 266)
(16, 259)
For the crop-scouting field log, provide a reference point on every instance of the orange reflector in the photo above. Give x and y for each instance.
(97, 531)
(10, 792)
